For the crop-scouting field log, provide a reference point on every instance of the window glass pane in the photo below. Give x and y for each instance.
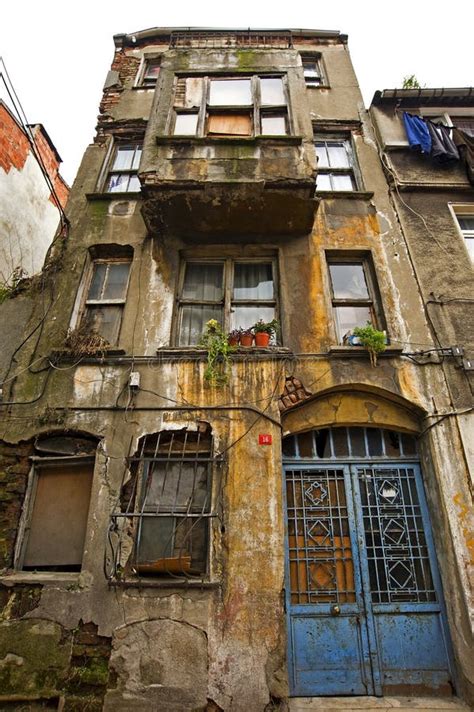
(245, 317)
(305, 444)
(321, 152)
(339, 440)
(229, 125)
(104, 320)
(357, 442)
(173, 545)
(338, 157)
(193, 322)
(116, 282)
(348, 281)
(123, 158)
(408, 444)
(136, 158)
(97, 283)
(271, 92)
(203, 282)
(392, 443)
(470, 247)
(118, 183)
(177, 487)
(323, 182)
(253, 281)
(152, 70)
(311, 70)
(273, 125)
(342, 182)
(466, 223)
(230, 92)
(186, 124)
(374, 441)
(347, 318)
(133, 184)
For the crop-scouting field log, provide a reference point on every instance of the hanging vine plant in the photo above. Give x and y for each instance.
(216, 343)
(372, 339)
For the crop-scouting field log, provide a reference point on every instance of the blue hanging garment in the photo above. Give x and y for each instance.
(417, 133)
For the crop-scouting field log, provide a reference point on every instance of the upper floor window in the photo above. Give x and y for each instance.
(336, 164)
(464, 215)
(312, 70)
(122, 176)
(151, 70)
(230, 106)
(354, 294)
(236, 293)
(105, 300)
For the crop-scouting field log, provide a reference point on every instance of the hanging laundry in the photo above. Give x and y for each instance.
(417, 133)
(464, 140)
(443, 150)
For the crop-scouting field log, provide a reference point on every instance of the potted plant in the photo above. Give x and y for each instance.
(372, 339)
(246, 337)
(264, 331)
(234, 337)
(216, 343)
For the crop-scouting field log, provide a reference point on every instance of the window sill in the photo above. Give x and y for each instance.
(66, 355)
(196, 354)
(130, 195)
(162, 583)
(351, 194)
(361, 352)
(16, 577)
(219, 140)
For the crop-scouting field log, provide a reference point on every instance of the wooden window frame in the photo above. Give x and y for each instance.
(255, 109)
(130, 172)
(142, 81)
(29, 504)
(464, 210)
(226, 302)
(352, 170)
(313, 83)
(91, 303)
(373, 303)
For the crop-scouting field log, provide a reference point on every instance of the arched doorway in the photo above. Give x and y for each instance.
(364, 604)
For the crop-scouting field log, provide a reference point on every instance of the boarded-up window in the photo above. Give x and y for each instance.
(56, 529)
(230, 125)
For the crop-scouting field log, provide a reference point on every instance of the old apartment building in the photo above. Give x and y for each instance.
(298, 525)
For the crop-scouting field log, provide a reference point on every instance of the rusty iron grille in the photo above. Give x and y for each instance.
(167, 505)
(320, 555)
(223, 40)
(397, 550)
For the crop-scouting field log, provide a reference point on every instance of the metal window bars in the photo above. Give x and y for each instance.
(161, 524)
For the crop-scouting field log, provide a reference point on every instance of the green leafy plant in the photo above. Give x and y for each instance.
(216, 343)
(411, 82)
(372, 339)
(267, 327)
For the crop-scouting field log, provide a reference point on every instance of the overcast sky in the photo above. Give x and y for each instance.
(58, 53)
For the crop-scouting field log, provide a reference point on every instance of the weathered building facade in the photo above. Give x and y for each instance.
(170, 542)
(28, 209)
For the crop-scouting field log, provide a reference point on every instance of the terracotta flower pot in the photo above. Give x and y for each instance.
(233, 340)
(262, 338)
(246, 339)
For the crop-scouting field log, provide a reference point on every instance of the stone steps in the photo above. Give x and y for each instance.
(396, 704)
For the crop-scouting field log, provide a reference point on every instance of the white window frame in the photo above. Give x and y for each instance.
(352, 170)
(320, 80)
(464, 210)
(137, 145)
(140, 82)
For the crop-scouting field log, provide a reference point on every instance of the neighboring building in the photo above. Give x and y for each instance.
(171, 544)
(29, 215)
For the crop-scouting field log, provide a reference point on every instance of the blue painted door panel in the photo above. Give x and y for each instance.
(363, 599)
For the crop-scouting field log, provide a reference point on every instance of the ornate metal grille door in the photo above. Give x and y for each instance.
(364, 602)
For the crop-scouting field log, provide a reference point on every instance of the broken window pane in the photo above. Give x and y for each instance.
(271, 92)
(348, 281)
(229, 125)
(230, 92)
(185, 124)
(189, 92)
(274, 126)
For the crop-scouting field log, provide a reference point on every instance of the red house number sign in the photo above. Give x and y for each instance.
(264, 439)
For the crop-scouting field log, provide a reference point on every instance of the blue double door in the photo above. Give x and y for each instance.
(363, 598)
